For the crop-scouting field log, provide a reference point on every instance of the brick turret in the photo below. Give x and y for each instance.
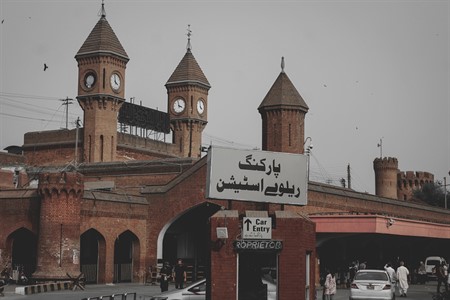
(386, 170)
(283, 113)
(59, 229)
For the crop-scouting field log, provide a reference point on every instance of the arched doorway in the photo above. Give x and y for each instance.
(23, 252)
(92, 256)
(187, 237)
(126, 256)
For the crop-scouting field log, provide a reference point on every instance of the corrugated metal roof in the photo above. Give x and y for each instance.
(102, 39)
(283, 93)
(188, 71)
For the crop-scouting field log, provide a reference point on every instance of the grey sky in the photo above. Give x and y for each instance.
(366, 69)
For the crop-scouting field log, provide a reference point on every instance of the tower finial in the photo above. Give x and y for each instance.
(103, 11)
(189, 47)
(282, 64)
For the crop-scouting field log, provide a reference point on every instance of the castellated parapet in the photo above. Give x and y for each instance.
(409, 181)
(59, 227)
(386, 170)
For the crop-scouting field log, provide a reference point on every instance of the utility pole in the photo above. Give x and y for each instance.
(67, 101)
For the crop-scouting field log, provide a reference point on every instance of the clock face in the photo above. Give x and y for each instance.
(200, 106)
(89, 80)
(179, 105)
(115, 81)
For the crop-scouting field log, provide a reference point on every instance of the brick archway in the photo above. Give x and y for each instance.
(126, 256)
(185, 236)
(22, 244)
(92, 256)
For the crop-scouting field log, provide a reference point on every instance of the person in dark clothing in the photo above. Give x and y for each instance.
(179, 274)
(165, 274)
(441, 276)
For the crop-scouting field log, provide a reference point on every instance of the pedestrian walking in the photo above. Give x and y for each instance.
(179, 274)
(442, 278)
(165, 274)
(330, 285)
(403, 278)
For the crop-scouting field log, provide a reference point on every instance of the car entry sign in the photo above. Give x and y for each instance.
(257, 228)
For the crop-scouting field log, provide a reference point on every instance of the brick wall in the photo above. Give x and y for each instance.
(11, 159)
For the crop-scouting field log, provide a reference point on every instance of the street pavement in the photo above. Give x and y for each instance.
(144, 291)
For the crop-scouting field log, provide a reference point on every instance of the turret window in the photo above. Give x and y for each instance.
(289, 134)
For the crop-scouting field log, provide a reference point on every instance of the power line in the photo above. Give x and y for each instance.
(25, 96)
(228, 142)
(28, 118)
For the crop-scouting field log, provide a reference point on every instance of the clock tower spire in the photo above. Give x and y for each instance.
(101, 88)
(187, 90)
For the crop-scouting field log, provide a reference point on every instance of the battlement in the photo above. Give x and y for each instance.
(413, 180)
(385, 163)
(61, 181)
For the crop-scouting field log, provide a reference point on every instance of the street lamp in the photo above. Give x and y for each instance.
(310, 146)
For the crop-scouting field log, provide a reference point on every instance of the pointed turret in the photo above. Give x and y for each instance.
(283, 93)
(283, 114)
(188, 71)
(102, 39)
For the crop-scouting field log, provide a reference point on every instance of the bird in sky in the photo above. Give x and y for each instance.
(45, 66)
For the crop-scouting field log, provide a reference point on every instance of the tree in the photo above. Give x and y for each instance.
(431, 193)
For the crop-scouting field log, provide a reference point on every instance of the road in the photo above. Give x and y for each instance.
(415, 292)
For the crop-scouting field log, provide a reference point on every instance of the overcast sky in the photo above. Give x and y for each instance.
(368, 70)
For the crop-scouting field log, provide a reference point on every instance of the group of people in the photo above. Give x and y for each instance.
(400, 276)
(177, 274)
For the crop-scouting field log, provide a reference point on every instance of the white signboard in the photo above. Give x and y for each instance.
(257, 228)
(260, 176)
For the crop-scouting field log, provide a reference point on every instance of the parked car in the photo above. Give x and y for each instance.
(197, 291)
(430, 264)
(372, 284)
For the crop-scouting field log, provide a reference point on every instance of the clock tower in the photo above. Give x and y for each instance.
(187, 104)
(101, 88)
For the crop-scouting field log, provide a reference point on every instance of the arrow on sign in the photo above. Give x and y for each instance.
(248, 222)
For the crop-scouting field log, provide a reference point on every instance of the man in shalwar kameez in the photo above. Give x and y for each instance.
(402, 277)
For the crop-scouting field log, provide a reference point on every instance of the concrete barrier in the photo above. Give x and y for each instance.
(44, 287)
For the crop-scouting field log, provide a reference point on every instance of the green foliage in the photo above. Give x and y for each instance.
(431, 193)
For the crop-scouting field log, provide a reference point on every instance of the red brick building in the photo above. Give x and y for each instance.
(115, 205)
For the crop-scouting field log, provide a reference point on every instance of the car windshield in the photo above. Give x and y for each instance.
(433, 262)
(371, 276)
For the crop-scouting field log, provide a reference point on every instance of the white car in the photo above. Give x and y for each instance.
(197, 291)
(372, 284)
(430, 264)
